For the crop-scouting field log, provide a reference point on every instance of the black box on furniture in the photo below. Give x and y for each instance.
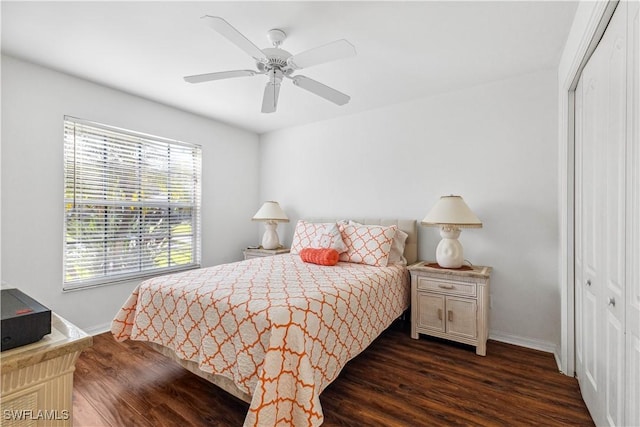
(24, 320)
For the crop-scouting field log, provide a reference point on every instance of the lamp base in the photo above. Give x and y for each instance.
(449, 250)
(270, 238)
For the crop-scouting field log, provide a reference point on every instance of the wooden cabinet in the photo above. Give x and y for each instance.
(259, 253)
(451, 304)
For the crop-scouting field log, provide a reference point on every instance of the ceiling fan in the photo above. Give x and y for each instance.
(277, 64)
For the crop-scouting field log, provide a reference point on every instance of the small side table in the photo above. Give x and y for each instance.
(451, 304)
(259, 253)
(37, 379)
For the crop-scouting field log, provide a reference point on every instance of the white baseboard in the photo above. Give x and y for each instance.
(98, 329)
(534, 344)
(556, 355)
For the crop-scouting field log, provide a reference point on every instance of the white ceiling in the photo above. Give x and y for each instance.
(405, 50)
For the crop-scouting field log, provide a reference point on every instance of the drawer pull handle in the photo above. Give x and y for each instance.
(446, 286)
(450, 316)
(612, 301)
(439, 314)
(588, 282)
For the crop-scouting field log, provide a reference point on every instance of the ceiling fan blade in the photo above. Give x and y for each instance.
(321, 90)
(270, 98)
(199, 78)
(235, 37)
(319, 55)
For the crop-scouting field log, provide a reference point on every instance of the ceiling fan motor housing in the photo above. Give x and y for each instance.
(277, 59)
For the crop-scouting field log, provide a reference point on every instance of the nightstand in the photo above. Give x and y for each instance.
(38, 377)
(451, 304)
(258, 253)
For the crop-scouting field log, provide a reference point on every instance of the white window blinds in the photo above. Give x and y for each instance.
(132, 204)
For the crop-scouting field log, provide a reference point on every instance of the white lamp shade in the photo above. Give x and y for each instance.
(453, 211)
(272, 212)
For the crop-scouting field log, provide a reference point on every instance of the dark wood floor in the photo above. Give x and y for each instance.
(397, 381)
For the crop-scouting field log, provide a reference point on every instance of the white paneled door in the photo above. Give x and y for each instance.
(588, 271)
(613, 212)
(606, 224)
(632, 410)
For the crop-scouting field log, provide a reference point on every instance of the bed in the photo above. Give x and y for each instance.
(272, 331)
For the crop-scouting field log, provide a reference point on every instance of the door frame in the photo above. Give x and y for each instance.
(596, 24)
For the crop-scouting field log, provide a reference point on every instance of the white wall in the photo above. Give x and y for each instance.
(34, 101)
(495, 145)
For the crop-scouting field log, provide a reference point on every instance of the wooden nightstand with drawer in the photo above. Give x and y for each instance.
(451, 304)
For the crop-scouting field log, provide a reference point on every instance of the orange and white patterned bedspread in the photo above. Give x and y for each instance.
(279, 328)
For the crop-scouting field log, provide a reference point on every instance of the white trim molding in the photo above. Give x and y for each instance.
(98, 329)
(546, 346)
(588, 26)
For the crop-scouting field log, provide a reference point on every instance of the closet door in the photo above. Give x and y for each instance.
(632, 391)
(614, 214)
(588, 233)
(578, 230)
(601, 147)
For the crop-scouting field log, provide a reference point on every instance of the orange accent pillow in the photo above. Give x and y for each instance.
(319, 256)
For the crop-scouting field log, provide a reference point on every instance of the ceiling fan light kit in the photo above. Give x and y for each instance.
(277, 64)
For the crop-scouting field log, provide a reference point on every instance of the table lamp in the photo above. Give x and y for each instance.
(451, 214)
(272, 214)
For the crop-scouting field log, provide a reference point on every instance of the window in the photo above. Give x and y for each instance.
(132, 204)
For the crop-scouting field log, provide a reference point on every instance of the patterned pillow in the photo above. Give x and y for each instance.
(396, 255)
(316, 235)
(369, 244)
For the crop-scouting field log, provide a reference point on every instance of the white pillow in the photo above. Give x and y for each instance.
(316, 235)
(329, 237)
(397, 248)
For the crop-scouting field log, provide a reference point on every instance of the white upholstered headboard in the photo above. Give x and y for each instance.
(409, 226)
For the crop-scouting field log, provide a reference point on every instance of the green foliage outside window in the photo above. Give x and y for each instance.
(131, 204)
